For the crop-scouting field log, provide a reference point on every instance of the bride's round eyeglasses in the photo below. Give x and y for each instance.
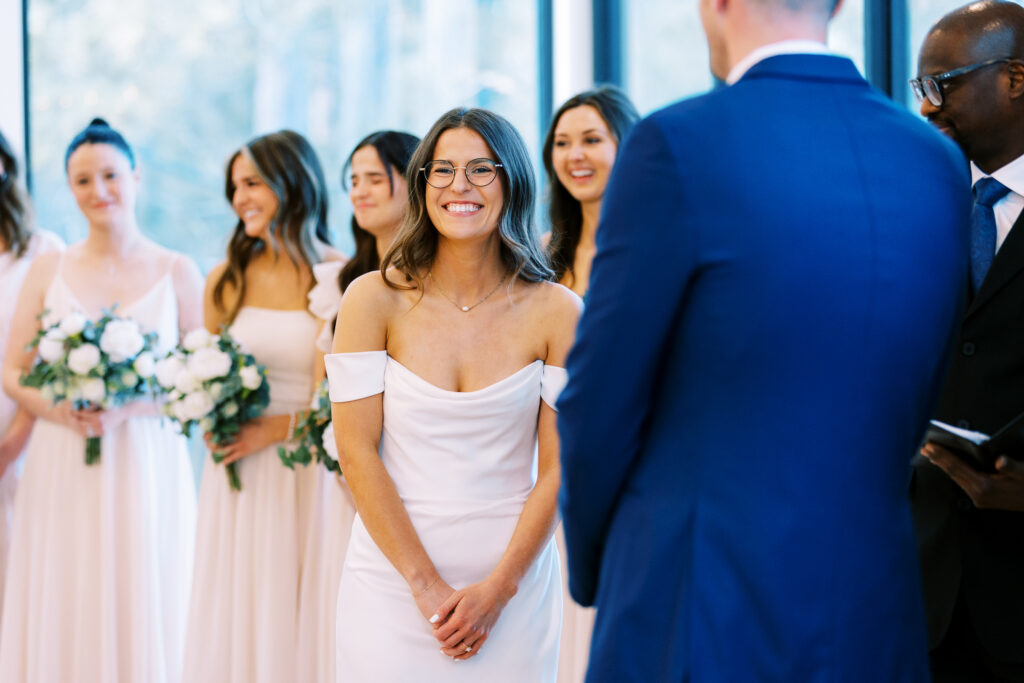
(440, 173)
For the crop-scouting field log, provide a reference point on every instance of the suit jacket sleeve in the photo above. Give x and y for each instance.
(646, 256)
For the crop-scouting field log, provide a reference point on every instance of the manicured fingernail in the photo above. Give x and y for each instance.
(433, 619)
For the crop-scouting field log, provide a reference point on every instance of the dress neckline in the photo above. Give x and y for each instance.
(121, 308)
(275, 310)
(491, 386)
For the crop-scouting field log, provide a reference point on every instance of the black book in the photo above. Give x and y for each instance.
(978, 449)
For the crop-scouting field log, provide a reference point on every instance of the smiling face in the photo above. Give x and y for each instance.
(975, 109)
(253, 200)
(583, 153)
(377, 203)
(463, 210)
(103, 183)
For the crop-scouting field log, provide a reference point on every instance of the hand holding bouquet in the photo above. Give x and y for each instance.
(314, 436)
(210, 382)
(95, 365)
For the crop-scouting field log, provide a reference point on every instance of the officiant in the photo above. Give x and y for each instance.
(970, 524)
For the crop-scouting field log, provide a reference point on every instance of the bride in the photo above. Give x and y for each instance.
(447, 363)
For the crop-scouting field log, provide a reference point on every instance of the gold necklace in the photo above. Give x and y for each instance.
(467, 309)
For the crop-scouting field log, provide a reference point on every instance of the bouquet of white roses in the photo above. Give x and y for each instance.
(314, 436)
(210, 382)
(95, 364)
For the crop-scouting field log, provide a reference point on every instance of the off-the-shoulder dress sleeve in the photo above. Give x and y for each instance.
(325, 298)
(352, 376)
(552, 381)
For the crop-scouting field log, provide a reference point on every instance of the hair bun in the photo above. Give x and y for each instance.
(99, 122)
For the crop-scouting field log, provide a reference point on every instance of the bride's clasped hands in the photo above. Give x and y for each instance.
(463, 621)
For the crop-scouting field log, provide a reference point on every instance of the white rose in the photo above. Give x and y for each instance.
(216, 390)
(73, 323)
(93, 390)
(185, 381)
(48, 393)
(197, 339)
(251, 377)
(180, 411)
(129, 379)
(121, 340)
(144, 365)
(49, 319)
(207, 363)
(230, 409)
(206, 424)
(198, 405)
(83, 359)
(167, 371)
(330, 445)
(51, 347)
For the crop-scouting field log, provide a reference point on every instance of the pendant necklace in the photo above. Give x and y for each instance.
(467, 309)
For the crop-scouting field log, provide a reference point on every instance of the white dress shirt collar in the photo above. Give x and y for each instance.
(1008, 209)
(1011, 175)
(785, 47)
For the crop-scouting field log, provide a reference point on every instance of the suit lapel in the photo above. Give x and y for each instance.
(1009, 261)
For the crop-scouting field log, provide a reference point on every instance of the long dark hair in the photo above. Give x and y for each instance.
(564, 210)
(394, 149)
(15, 214)
(288, 165)
(415, 246)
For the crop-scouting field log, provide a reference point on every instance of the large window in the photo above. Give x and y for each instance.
(665, 52)
(846, 32)
(188, 82)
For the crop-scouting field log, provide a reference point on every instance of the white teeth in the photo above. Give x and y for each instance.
(581, 174)
(462, 208)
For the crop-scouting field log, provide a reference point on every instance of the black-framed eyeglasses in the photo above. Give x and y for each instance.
(440, 173)
(931, 86)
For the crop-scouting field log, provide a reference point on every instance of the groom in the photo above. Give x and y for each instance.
(777, 279)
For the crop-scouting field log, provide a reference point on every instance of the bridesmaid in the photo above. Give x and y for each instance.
(375, 176)
(579, 153)
(97, 584)
(243, 618)
(19, 246)
(447, 362)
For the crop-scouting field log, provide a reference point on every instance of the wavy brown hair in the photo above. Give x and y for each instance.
(394, 149)
(288, 165)
(564, 210)
(15, 211)
(415, 247)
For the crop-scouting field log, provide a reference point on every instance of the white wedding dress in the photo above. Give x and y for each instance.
(463, 465)
(243, 618)
(100, 558)
(13, 270)
(330, 523)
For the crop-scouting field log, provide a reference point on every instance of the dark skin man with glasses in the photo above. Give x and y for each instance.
(969, 522)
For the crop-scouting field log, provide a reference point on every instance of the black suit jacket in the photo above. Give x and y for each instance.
(963, 548)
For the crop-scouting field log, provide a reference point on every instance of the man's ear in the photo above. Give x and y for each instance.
(1015, 71)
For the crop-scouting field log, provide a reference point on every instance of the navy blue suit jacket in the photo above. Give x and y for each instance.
(776, 285)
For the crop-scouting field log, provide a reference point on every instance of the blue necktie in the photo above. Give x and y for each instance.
(987, 192)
